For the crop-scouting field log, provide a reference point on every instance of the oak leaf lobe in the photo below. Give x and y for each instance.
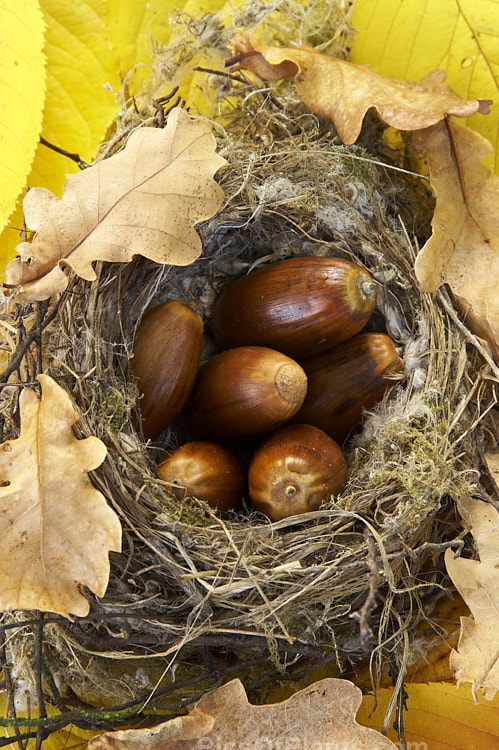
(55, 528)
(320, 715)
(463, 250)
(344, 92)
(476, 659)
(145, 200)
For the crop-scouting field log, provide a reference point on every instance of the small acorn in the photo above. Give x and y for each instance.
(245, 392)
(300, 306)
(346, 380)
(166, 354)
(294, 471)
(207, 471)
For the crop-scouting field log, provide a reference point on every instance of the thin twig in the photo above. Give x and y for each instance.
(221, 73)
(398, 724)
(467, 334)
(74, 157)
(10, 696)
(28, 339)
(370, 603)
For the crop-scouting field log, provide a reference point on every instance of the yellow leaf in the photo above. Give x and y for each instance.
(344, 92)
(10, 237)
(133, 29)
(409, 39)
(56, 528)
(144, 200)
(79, 106)
(69, 738)
(439, 716)
(80, 70)
(22, 81)
(91, 45)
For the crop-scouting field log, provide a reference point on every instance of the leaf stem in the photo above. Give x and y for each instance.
(74, 157)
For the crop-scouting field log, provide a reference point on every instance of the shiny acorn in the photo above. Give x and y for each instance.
(166, 354)
(207, 471)
(300, 306)
(245, 392)
(294, 471)
(346, 380)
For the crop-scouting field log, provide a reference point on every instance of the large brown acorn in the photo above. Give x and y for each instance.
(244, 392)
(166, 354)
(346, 380)
(207, 471)
(294, 471)
(300, 306)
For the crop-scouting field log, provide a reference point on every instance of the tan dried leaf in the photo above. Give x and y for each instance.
(344, 92)
(321, 715)
(477, 657)
(492, 463)
(56, 529)
(145, 200)
(463, 250)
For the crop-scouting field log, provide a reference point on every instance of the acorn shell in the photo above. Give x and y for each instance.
(244, 392)
(166, 354)
(346, 380)
(300, 306)
(294, 471)
(207, 471)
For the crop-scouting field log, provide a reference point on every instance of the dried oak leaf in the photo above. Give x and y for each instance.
(145, 200)
(463, 250)
(55, 528)
(477, 657)
(492, 463)
(321, 715)
(344, 92)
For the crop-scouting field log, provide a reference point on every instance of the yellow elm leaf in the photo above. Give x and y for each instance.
(409, 39)
(439, 716)
(56, 529)
(22, 94)
(69, 738)
(10, 237)
(79, 106)
(133, 28)
(144, 200)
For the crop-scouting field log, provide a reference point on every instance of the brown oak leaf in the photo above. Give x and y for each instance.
(145, 200)
(463, 250)
(320, 716)
(344, 92)
(476, 659)
(55, 528)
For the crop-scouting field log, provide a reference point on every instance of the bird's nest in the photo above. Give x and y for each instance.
(194, 596)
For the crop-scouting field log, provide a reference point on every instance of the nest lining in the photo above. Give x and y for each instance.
(187, 575)
(189, 572)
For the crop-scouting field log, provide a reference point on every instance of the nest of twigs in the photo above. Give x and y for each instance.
(195, 595)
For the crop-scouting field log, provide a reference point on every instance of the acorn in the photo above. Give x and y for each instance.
(166, 354)
(207, 471)
(245, 392)
(300, 306)
(346, 380)
(294, 471)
